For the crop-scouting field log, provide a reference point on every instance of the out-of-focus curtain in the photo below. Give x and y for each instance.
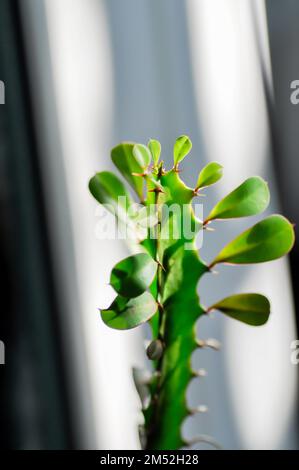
(144, 69)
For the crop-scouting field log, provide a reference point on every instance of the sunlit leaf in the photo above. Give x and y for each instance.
(124, 314)
(210, 174)
(123, 158)
(155, 149)
(182, 147)
(253, 309)
(143, 155)
(133, 275)
(110, 191)
(269, 239)
(250, 198)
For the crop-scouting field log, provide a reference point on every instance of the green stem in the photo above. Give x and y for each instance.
(159, 274)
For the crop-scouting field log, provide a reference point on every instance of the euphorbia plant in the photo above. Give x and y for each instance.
(158, 284)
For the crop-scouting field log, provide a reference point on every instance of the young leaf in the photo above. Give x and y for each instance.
(253, 309)
(133, 275)
(155, 149)
(123, 158)
(250, 198)
(143, 155)
(269, 239)
(109, 190)
(182, 147)
(124, 314)
(209, 175)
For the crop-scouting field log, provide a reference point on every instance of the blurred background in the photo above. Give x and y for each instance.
(80, 76)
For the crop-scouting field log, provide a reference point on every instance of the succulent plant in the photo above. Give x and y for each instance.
(158, 284)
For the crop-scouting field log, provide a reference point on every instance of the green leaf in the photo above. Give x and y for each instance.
(133, 275)
(123, 158)
(143, 155)
(155, 149)
(110, 191)
(250, 198)
(182, 147)
(253, 309)
(210, 174)
(124, 314)
(269, 239)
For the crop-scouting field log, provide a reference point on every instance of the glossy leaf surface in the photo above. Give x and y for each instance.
(253, 309)
(142, 155)
(155, 149)
(111, 192)
(182, 147)
(269, 239)
(250, 198)
(133, 275)
(125, 314)
(123, 158)
(209, 175)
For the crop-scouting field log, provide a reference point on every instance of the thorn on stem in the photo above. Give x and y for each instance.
(209, 310)
(142, 436)
(156, 190)
(211, 270)
(142, 175)
(213, 344)
(161, 265)
(209, 343)
(200, 373)
(203, 439)
(157, 374)
(198, 409)
(196, 193)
